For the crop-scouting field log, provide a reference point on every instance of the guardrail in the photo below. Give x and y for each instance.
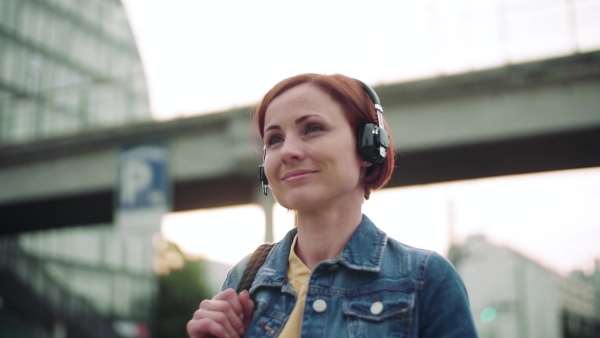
(75, 311)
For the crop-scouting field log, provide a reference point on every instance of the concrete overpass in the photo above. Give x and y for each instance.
(524, 118)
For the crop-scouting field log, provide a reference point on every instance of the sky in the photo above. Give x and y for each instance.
(203, 57)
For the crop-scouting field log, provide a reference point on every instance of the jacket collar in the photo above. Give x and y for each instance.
(363, 251)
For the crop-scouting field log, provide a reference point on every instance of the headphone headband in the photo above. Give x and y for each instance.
(376, 103)
(372, 95)
(373, 140)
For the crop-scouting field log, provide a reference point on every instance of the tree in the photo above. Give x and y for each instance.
(181, 288)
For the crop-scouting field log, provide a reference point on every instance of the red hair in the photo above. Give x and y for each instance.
(355, 103)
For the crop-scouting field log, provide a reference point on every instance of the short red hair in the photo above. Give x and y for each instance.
(355, 103)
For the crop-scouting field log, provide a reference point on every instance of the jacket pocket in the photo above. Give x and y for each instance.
(379, 314)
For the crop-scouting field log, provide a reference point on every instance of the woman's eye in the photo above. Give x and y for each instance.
(274, 139)
(313, 127)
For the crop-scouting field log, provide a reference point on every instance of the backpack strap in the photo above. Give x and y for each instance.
(257, 260)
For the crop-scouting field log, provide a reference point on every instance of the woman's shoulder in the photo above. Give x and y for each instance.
(235, 273)
(423, 261)
(400, 249)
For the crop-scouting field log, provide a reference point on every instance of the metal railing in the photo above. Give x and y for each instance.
(75, 311)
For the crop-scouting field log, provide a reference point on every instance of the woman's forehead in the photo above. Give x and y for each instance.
(304, 98)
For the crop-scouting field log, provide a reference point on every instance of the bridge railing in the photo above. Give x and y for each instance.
(75, 311)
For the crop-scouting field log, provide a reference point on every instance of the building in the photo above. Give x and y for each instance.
(514, 296)
(67, 68)
(580, 296)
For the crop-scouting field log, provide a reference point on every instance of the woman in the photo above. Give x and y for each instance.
(336, 274)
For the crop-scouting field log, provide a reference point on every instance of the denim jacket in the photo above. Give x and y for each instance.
(376, 287)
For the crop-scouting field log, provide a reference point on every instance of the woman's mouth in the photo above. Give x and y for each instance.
(295, 175)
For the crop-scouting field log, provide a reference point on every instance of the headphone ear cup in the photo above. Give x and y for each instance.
(262, 176)
(368, 143)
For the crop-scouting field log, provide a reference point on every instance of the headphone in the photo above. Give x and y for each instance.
(262, 177)
(373, 140)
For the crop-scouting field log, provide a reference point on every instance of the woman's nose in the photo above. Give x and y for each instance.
(292, 150)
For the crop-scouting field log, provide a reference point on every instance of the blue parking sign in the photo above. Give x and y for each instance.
(143, 177)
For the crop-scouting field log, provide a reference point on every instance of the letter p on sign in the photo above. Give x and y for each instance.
(143, 182)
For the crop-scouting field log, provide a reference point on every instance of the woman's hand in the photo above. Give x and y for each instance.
(227, 315)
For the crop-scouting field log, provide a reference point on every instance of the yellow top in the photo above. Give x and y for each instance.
(298, 275)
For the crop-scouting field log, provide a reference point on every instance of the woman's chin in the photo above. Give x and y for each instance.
(297, 200)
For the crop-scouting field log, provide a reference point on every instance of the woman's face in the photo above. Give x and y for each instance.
(311, 159)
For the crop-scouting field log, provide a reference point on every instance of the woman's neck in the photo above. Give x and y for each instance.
(323, 235)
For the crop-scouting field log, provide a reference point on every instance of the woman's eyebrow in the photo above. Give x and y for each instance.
(304, 118)
(298, 121)
(272, 127)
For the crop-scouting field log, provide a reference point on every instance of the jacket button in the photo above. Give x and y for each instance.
(376, 308)
(319, 305)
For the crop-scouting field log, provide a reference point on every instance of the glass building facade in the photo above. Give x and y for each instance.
(88, 281)
(67, 67)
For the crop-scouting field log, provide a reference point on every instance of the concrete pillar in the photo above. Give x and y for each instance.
(267, 203)
(60, 330)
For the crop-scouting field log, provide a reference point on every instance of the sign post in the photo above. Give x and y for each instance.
(143, 198)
